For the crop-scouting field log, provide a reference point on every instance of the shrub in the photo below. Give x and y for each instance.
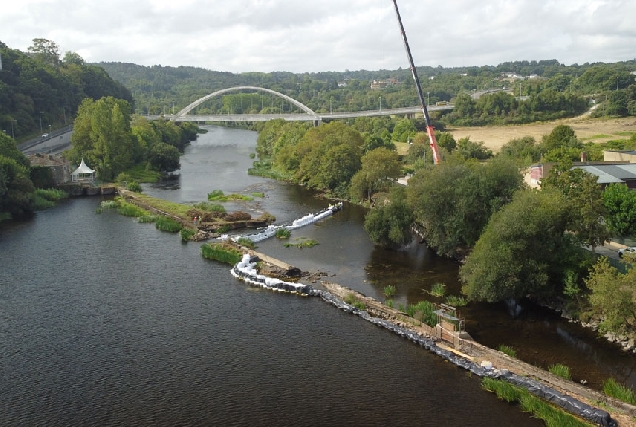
(134, 186)
(560, 371)
(186, 234)
(506, 349)
(222, 252)
(389, 303)
(168, 224)
(614, 389)
(44, 199)
(109, 204)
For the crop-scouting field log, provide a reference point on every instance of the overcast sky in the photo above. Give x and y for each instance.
(325, 35)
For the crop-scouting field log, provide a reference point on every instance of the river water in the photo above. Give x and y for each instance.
(105, 321)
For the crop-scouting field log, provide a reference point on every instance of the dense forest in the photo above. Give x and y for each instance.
(512, 92)
(39, 90)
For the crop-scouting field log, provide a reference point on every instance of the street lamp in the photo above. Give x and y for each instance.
(428, 98)
(49, 131)
(40, 123)
(12, 132)
(330, 108)
(380, 103)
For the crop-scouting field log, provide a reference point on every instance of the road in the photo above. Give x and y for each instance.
(55, 143)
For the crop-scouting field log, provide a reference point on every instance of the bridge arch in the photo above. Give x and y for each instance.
(199, 101)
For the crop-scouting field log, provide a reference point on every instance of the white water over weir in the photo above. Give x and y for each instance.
(270, 231)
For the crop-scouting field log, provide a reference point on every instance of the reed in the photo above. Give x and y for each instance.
(186, 234)
(456, 301)
(438, 290)
(506, 349)
(389, 291)
(616, 390)
(282, 233)
(244, 241)
(560, 370)
(128, 209)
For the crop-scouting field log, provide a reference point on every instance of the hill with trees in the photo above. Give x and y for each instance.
(39, 88)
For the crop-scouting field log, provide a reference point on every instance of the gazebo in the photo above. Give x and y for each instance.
(83, 174)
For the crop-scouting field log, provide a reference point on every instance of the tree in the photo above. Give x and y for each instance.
(404, 130)
(613, 296)
(584, 197)
(102, 136)
(620, 203)
(473, 150)
(561, 137)
(45, 51)
(524, 149)
(164, 157)
(389, 223)
(524, 250)
(16, 188)
(453, 201)
(378, 170)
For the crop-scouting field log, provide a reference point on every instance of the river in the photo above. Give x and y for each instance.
(105, 321)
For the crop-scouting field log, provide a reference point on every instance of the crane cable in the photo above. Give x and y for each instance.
(429, 127)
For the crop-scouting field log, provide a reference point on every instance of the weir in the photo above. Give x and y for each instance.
(246, 270)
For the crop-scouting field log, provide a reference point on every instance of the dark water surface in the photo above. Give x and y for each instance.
(105, 321)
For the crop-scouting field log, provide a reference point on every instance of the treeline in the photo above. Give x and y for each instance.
(516, 242)
(554, 91)
(39, 90)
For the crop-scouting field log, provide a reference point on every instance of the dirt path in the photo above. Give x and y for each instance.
(587, 129)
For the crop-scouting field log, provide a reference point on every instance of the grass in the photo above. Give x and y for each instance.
(219, 196)
(282, 233)
(222, 252)
(244, 241)
(599, 136)
(423, 311)
(302, 242)
(456, 301)
(438, 290)
(560, 370)
(173, 208)
(210, 207)
(352, 300)
(618, 391)
(389, 303)
(140, 173)
(506, 349)
(389, 291)
(45, 199)
(147, 218)
(128, 209)
(258, 194)
(551, 416)
(169, 225)
(109, 204)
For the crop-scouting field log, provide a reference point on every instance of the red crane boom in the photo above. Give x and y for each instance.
(429, 127)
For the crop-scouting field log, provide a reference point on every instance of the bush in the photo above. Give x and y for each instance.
(45, 199)
(147, 218)
(110, 204)
(186, 234)
(134, 186)
(424, 312)
(222, 252)
(438, 290)
(168, 224)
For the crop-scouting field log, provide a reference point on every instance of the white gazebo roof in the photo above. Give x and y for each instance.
(83, 169)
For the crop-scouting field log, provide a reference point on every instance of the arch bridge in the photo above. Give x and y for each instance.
(309, 115)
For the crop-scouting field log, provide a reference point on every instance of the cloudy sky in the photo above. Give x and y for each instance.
(325, 35)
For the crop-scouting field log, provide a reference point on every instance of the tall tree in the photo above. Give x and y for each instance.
(524, 250)
(620, 203)
(379, 168)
